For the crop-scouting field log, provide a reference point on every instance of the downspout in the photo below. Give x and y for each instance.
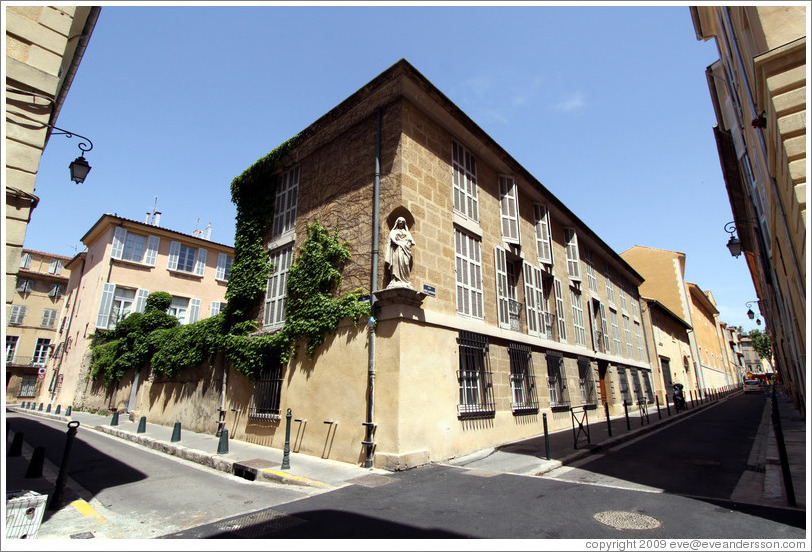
(370, 425)
(221, 423)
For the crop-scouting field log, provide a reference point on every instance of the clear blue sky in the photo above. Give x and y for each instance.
(607, 106)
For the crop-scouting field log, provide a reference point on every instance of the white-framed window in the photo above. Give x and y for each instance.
(559, 310)
(610, 289)
(605, 329)
(216, 307)
(276, 292)
(590, 271)
(522, 379)
(463, 165)
(557, 381)
(287, 193)
(509, 209)
(624, 385)
(223, 266)
(179, 308)
(638, 335)
(617, 347)
(624, 305)
(183, 258)
(11, 347)
(578, 316)
(25, 260)
(586, 382)
(134, 247)
(17, 314)
(48, 318)
(55, 267)
(506, 282)
(573, 258)
(56, 290)
(117, 303)
(41, 350)
(627, 330)
(538, 315)
(475, 377)
(468, 267)
(544, 247)
(25, 285)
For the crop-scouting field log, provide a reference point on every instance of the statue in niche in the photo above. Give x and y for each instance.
(399, 254)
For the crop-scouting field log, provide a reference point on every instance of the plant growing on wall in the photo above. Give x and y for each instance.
(312, 311)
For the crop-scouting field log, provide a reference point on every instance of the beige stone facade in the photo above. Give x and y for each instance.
(670, 348)
(34, 324)
(123, 262)
(711, 345)
(758, 91)
(499, 330)
(44, 45)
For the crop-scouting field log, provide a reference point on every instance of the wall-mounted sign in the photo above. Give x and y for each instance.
(431, 291)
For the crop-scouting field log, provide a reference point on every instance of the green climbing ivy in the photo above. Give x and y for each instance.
(312, 310)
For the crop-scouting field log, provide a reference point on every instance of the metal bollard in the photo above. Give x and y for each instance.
(49, 408)
(608, 419)
(222, 445)
(67, 412)
(546, 436)
(657, 400)
(40, 407)
(36, 463)
(114, 421)
(286, 450)
(59, 487)
(175, 433)
(142, 425)
(58, 409)
(626, 412)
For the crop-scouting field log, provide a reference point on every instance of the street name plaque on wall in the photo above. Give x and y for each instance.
(431, 291)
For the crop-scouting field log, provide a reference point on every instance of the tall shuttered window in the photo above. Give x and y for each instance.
(463, 165)
(475, 378)
(468, 263)
(277, 288)
(287, 194)
(509, 209)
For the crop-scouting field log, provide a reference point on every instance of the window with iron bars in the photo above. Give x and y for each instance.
(556, 378)
(475, 377)
(522, 381)
(267, 392)
(586, 382)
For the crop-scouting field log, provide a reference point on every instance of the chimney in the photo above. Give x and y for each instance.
(146, 220)
(156, 218)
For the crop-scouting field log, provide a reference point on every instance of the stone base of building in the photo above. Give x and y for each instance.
(405, 461)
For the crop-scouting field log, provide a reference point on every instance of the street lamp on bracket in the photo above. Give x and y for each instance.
(734, 244)
(750, 313)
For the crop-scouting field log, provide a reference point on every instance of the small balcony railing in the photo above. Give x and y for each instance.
(34, 361)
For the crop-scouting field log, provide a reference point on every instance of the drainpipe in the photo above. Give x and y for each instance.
(221, 423)
(370, 425)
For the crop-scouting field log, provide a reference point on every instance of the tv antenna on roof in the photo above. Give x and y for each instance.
(154, 216)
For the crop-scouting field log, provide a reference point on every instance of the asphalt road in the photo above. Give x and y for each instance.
(674, 484)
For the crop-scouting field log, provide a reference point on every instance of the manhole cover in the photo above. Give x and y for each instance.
(626, 520)
(371, 480)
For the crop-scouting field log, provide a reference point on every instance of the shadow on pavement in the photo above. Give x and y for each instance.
(92, 469)
(311, 524)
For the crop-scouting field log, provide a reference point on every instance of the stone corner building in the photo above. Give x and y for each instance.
(516, 307)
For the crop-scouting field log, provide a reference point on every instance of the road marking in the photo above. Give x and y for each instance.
(86, 509)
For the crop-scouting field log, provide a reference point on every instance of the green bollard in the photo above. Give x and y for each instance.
(58, 408)
(114, 421)
(40, 407)
(48, 409)
(142, 425)
(67, 412)
(286, 450)
(222, 445)
(175, 433)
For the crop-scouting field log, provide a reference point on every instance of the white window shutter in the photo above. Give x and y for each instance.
(105, 305)
(530, 298)
(194, 310)
(174, 253)
(200, 262)
(605, 329)
(119, 237)
(573, 260)
(500, 261)
(151, 256)
(559, 311)
(25, 260)
(215, 308)
(221, 266)
(140, 300)
(544, 252)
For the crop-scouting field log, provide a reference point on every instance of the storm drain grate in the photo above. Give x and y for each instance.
(247, 469)
(85, 535)
(256, 525)
(626, 520)
(371, 480)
